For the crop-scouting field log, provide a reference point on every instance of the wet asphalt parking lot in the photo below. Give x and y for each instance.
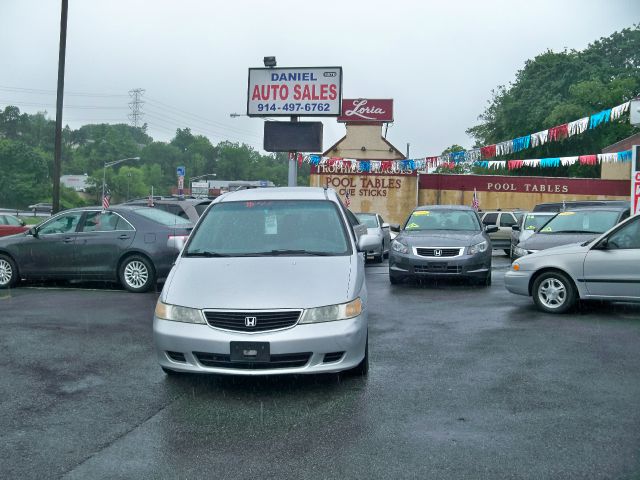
(465, 383)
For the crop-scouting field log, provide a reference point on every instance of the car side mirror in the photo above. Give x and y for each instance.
(22, 222)
(602, 245)
(515, 228)
(385, 225)
(394, 227)
(491, 228)
(367, 242)
(33, 231)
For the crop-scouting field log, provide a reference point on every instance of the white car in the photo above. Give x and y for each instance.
(377, 227)
(607, 268)
(271, 281)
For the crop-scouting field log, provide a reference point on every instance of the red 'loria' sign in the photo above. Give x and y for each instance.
(366, 110)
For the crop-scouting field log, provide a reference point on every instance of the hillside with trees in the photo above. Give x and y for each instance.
(559, 87)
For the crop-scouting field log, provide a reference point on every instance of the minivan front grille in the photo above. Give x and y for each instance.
(252, 321)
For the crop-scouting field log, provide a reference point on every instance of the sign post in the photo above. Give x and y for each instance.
(180, 171)
(635, 180)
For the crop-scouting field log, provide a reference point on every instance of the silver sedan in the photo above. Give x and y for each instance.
(377, 227)
(607, 268)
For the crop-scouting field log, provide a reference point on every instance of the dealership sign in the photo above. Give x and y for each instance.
(304, 91)
(366, 110)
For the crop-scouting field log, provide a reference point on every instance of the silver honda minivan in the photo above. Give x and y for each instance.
(271, 281)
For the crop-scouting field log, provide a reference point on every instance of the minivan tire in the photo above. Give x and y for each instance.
(362, 369)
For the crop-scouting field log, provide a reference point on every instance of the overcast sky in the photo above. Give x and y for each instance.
(438, 60)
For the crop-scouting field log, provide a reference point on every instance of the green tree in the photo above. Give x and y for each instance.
(25, 175)
(555, 88)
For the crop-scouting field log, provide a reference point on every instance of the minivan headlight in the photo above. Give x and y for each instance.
(331, 313)
(399, 247)
(478, 247)
(166, 311)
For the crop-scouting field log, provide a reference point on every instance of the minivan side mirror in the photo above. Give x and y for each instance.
(367, 242)
(491, 228)
(394, 227)
(515, 228)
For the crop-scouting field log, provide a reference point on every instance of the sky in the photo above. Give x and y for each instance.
(438, 60)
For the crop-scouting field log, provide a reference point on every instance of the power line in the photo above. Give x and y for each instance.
(36, 104)
(38, 91)
(198, 117)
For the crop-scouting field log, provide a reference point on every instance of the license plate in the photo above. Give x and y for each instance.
(250, 352)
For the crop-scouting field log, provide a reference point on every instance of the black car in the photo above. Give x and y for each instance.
(130, 244)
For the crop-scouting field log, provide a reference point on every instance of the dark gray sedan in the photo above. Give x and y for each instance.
(134, 245)
(442, 241)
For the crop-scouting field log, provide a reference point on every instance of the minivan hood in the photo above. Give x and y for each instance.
(259, 282)
(542, 241)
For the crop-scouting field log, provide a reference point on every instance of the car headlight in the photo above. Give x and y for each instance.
(520, 252)
(478, 247)
(175, 313)
(331, 313)
(399, 247)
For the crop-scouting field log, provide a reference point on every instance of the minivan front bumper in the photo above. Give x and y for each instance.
(308, 348)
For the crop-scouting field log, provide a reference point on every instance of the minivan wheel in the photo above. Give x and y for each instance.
(137, 274)
(553, 292)
(362, 369)
(8, 272)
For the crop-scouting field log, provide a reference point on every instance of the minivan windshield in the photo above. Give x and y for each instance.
(443, 220)
(581, 221)
(270, 228)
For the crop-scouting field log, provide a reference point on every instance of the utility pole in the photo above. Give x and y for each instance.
(135, 105)
(57, 155)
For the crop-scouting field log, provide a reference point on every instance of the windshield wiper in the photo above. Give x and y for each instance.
(283, 251)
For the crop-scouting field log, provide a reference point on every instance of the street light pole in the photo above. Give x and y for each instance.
(111, 164)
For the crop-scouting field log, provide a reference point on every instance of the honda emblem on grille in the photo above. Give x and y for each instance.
(250, 321)
(437, 253)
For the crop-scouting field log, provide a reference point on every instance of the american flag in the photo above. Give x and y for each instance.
(476, 203)
(105, 201)
(347, 199)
